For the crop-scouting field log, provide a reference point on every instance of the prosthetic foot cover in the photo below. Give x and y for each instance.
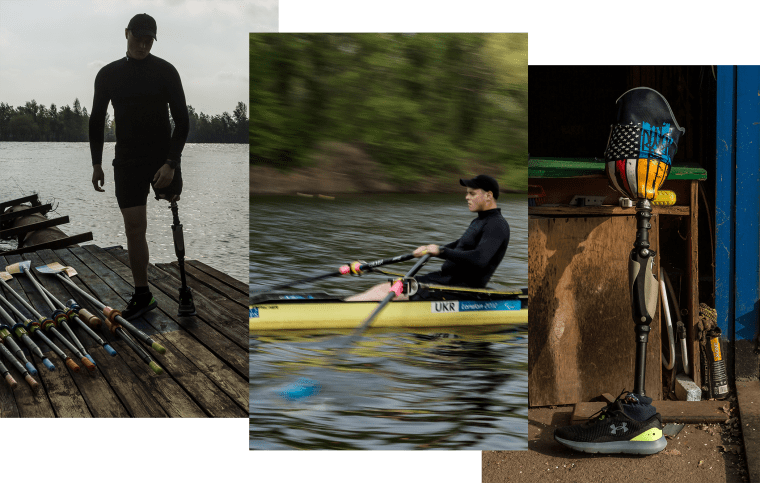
(642, 143)
(628, 425)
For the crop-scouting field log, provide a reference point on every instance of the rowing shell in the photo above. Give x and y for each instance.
(309, 311)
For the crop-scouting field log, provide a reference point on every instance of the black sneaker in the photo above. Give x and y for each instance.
(614, 429)
(138, 305)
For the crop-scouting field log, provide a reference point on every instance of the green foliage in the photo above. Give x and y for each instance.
(33, 122)
(421, 105)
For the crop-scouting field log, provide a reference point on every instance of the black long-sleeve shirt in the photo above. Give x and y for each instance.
(140, 91)
(472, 260)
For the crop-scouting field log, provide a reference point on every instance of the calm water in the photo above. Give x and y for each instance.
(212, 210)
(394, 388)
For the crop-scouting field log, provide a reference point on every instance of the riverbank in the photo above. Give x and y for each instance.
(345, 169)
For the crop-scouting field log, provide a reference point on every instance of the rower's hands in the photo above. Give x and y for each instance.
(98, 178)
(163, 177)
(426, 250)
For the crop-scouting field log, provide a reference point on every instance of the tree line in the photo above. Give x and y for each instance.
(35, 122)
(417, 103)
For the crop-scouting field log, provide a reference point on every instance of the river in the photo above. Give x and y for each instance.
(395, 389)
(212, 210)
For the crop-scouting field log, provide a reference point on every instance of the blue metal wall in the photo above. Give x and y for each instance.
(737, 217)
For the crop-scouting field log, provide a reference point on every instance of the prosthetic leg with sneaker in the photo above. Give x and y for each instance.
(639, 153)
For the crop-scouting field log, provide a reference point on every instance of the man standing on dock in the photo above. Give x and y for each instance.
(140, 85)
(471, 260)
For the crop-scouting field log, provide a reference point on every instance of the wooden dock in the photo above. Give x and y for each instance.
(206, 360)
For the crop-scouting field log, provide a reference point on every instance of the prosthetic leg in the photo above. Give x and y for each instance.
(638, 158)
(186, 306)
(644, 289)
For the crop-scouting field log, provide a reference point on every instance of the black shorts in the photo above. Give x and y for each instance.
(133, 179)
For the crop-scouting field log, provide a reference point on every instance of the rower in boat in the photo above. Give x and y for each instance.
(471, 260)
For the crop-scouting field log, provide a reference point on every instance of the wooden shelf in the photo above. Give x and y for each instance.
(607, 210)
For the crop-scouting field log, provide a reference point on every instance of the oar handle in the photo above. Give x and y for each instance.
(396, 288)
(356, 268)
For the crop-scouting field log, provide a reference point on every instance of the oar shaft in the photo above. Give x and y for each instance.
(61, 319)
(5, 338)
(26, 326)
(7, 376)
(115, 328)
(396, 289)
(107, 311)
(21, 300)
(346, 269)
(23, 370)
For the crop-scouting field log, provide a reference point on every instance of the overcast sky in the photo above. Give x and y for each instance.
(50, 51)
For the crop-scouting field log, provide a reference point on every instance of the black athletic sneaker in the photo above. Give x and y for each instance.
(628, 425)
(138, 305)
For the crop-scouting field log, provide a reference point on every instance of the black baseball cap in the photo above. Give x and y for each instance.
(143, 24)
(484, 182)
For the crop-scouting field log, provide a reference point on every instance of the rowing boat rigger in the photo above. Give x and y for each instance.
(446, 308)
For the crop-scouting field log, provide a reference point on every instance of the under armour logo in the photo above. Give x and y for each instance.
(616, 428)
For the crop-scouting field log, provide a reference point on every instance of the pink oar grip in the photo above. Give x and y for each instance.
(397, 287)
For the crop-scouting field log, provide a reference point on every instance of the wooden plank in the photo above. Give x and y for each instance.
(17, 214)
(609, 210)
(241, 287)
(748, 395)
(33, 199)
(235, 303)
(692, 296)
(162, 389)
(131, 399)
(59, 243)
(686, 412)
(8, 408)
(220, 319)
(560, 191)
(223, 348)
(222, 290)
(181, 367)
(581, 340)
(19, 230)
(62, 392)
(95, 391)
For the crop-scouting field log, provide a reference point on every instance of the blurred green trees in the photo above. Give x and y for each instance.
(420, 104)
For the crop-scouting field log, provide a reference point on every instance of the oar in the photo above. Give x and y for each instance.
(72, 312)
(305, 387)
(19, 329)
(355, 268)
(5, 338)
(75, 311)
(32, 326)
(111, 314)
(7, 375)
(28, 377)
(57, 319)
(60, 317)
(113, 325)
(396, 288)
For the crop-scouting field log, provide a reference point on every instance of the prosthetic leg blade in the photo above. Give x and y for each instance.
(186, 306)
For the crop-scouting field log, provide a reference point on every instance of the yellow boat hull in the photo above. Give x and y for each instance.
(347, 315)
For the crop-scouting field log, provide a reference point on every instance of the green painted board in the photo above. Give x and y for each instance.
(575, 167)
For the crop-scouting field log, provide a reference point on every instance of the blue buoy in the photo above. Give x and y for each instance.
(301, 389)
